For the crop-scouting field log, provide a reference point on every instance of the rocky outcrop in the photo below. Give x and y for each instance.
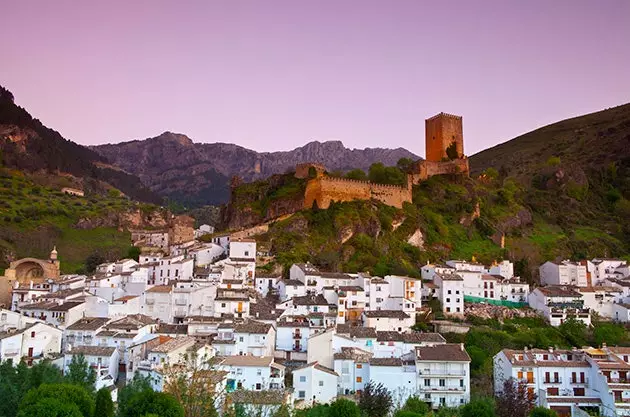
(133, 219)
(171, 162)
(417, 239)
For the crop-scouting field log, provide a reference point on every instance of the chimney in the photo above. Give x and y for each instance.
(550, 349)
(461, 346)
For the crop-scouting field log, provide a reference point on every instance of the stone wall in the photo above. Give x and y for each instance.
(181, 230)
(423, 170)
(324, 190)
(302, 170)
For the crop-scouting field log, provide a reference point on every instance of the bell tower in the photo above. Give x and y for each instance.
(441, 131)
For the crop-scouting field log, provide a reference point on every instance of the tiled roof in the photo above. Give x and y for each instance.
(173, 344)
(446, 352)
(556, 291)
(449, 277)
(161, 289)
(68, 305)
(353, 353)
(165, 328)
(131, 322)
(385, 362)
(363, 332)
(389, 336)
(252, 326)
(92, 350)
(258, 397)
(335, 275)
(392, 314)
(88, 323)
(421, 337)
(292, 283)
(241, 360)
(318, 367)
(310, 300)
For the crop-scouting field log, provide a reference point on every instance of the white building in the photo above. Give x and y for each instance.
(314, 383)
(158, 303)
(254, 338)
(564, 273)
(443, 374)
(558, 304)
(256, 373)
(34, 342)
(383, 320)
(293, 333)
(450, 292)
(353, 367)
(103, 359)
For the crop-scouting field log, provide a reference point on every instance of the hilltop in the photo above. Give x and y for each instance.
(195, 174)
(26, 144)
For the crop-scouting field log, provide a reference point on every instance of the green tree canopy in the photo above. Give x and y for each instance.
(375, 400)
(609, 333)
(574, 331)
(482, 407)
(543, 412)
(404, 164)
(357, 174)
(104, 404)
(146, 402)
(80, 373)
(344, 408)
(416, 405)
(380, 174)
(73, 398)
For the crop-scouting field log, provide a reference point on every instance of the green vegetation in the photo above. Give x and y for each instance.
(35, 217)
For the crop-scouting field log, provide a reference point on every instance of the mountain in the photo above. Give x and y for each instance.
(27, 145)
(589, 142)
(199, 173)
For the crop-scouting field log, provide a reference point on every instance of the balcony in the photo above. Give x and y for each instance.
(311, 283)
(180, 302)
(441, 372)
(180, 312)
(553, 381)
(433, 388)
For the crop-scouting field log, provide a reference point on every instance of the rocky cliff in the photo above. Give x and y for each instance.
(198, 173)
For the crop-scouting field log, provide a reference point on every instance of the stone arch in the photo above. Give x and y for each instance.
(31, 269)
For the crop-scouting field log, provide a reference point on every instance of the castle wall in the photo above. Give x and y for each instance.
(302, 170)
(182, 230)
(426, 169)
(324, 190)
(440, 131)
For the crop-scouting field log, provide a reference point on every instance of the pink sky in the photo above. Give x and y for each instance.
(273, 75)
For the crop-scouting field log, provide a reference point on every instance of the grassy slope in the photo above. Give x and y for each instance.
(34, 218)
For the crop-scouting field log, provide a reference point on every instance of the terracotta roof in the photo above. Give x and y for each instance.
(252, 326)
(318, 367)
(363, 332)
(68, 305)
(165, 328)
(242, 360)
(385, 362)
(350, 288)
(126, 298)
(421, 337)
(292, 283)
(353, 353)
(445, 352)
(392, 314)
(449, 277)
(161, 288)
(131, 322)
(389, 336)
(343, 328)
(88, 323)
(310, 300)
(92, 350)
(556, 291)
(173, 344)
(293, 323)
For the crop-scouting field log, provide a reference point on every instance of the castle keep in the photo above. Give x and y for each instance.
(442, 131)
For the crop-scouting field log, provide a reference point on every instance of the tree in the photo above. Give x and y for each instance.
(192, 382)
(482, 407)
(104, 404)
(515, 400)
(416, 405)
(380, 174)
(343, 408)
(133, 253)
(16, 381)
(574, 331)
(451, 151)
(375, 400)
(137, 385)
(151, 402)
(282, 411)
(80, 373)
(357, 174)
(68, 400)
(542, 412)
(609, 333)
(404, 164)
(92, 261)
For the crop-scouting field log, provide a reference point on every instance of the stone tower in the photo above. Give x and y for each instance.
(441, 130)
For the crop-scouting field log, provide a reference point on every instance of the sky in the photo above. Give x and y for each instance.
(274, 74)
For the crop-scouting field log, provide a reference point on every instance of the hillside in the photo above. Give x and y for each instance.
(562, 191)
(27, 145)
(195, 174)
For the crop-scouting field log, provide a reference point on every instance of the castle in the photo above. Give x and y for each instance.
(444, 142)
(444, 145)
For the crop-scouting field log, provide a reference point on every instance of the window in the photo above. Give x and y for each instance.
(378, 288)
(442, 401)
(449, 291)
(258, 386)
(32, 334)
(457, 309)
(448, 309)
(246, 253)
(302, 379)
(457, 292)
(241, 339)
(321, 383)
(461, 382)
(442, 382)
(359, 379)
(427, 382)
(223, 305)
(448, 300)
(359, 366)
(301, 394)
(427, 397)
(259, 372)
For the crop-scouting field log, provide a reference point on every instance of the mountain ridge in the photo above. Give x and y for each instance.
(171, 162)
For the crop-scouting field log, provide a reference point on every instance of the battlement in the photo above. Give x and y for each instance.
(363, 182)
(303, 170)
(442, 114)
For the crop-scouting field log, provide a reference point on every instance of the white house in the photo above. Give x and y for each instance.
(558, 304)
(290, 288)
(293, 333)
(254, 338)
(103, 359)
(450, 292)
(353, 367)
(564, 273)
(158, 303)
(34, 342)
(388, 320)
(443, 374)
(256, 373)
(314, 383)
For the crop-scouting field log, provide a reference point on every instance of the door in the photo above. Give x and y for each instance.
(240, 307)
(530, 377)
